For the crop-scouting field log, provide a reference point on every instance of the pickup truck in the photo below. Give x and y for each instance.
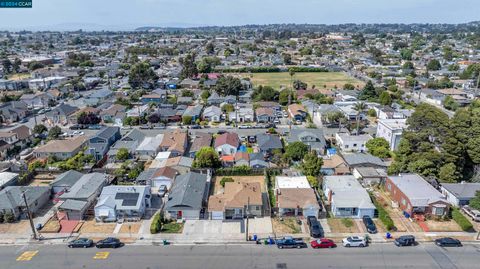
(290, 242)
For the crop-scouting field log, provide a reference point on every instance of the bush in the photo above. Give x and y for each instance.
(157, 223)
(347, 222)
(383, 215)
(2, 217)
(9, 217)
(225, 180)
(461, 220)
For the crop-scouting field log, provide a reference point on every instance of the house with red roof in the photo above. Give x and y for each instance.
(227, 144)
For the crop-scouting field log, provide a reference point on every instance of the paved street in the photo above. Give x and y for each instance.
(238, 256)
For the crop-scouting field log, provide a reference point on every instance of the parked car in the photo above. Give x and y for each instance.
(162, 190)
(24, 120)
(109, 242)
(471, 212)
(448, 242)
(405, 240)
(81, 243)
(315, 228)
(290, 242)
(76, 127)
(369, 224)
(354, 241)
(323, 243)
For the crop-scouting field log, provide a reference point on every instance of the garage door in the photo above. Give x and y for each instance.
(217, 215)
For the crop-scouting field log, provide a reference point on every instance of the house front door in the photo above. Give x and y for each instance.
(179, 215)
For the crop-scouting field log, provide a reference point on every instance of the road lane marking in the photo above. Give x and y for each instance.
(101, 255)
(27, 255)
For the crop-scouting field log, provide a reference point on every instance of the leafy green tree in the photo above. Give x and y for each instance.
(385, 98)
(54, 132)
(434, 65)
(406, 54)
(378, 147)
(228, 85)
(311, 164)
(186, 119)
(360, 107)
(475, 201)
(205, 94)
(284, 96)
(450, 103)
(228, 108)
(39, 129)
(295, 151)
(299, 85)
(265, 93)
(210, 48)
(122, 154)
(207, 157)
(141, 75)
(448, 173)
(348, 86)
(368, 92)
(189, 67)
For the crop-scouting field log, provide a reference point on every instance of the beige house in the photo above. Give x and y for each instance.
(233, 202)
(61, 149)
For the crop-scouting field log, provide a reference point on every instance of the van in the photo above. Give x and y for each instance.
(405, 240)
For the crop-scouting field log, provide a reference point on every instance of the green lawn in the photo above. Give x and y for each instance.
(319, 79)
(172, 228)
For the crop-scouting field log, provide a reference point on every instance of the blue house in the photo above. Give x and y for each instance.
(99, 144)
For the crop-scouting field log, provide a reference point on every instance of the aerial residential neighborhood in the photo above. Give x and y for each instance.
(356, 137)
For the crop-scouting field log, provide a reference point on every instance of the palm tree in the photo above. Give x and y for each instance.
(359, 107)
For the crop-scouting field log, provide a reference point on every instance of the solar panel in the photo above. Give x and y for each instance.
(129, 199)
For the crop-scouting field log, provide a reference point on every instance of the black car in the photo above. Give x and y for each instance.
(316, 230)
(448, 242)
(369, 224)
(109, 242)
(405, 240)
(81, 243)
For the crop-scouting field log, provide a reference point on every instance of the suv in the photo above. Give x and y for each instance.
(405, 240)
(369, 224)
(472, 213)
(354, 241)
(315, 228)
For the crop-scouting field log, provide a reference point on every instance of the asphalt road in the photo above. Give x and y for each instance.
(238, 256)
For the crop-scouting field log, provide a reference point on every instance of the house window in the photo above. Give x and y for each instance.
(439, 211)
(257, 207)
(404, 202)
(346, 146)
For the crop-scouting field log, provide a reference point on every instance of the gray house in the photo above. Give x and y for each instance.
(267, 143)
(11, 199)
(99, 144)
(187, 196)
(313, 138)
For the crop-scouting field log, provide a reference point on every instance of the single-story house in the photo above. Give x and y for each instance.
(61, 149)
(349, 143)
(297, 112)
(149, 147)
(334, 165)
(212, 113)
(347, 198)
(313, 138)
(268, 142)
(122, 202)
(11, 199)
(459, 194)
(363, 160)
(233, 202)
(369, 175)
(8, 179)
(297, 202)
(227, 143)
(414, 195)
(265, 114)
(200, 140)
(187, 196)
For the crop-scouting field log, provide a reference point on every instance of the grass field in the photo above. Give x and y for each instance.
(319, 79)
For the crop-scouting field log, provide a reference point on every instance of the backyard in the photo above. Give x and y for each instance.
(244, 179)
(319, 79)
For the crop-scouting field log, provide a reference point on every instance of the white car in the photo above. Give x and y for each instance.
(354, 241)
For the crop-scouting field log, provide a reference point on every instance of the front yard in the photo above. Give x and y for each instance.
(342, 225)
(443, 226)
(91, 226)
(286, 226)
(172, 228)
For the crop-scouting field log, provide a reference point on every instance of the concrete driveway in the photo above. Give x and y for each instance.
(215, 228)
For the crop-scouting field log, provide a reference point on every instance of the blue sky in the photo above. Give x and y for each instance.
(128, 14)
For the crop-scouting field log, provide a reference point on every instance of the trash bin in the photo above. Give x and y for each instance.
(388, 235)
(270, 241)
(165, 242)
(254, 237)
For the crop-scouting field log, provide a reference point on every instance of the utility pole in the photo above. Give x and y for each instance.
(29, 214)
(247, 211)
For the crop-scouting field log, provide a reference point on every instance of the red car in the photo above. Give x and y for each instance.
(323, 243)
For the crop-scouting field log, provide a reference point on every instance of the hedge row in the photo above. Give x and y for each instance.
(271, 69)
(383, 215)
(461, 220)
(157, 223)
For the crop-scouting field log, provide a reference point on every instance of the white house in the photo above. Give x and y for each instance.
(212, 113)
(349, 143)
(459, 194)
(391, 130)
(347, 198)
(227, 143)
(122, 202)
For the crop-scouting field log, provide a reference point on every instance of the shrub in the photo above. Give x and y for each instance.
(225, 180)
(461, 220)
(2, 217)
(383, 215)
(156, 225)
(9, 217)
